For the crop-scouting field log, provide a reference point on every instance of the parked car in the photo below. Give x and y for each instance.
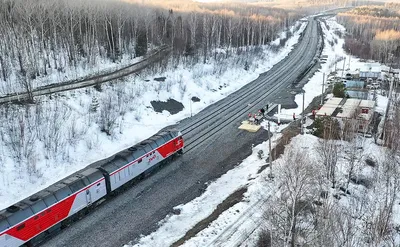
(375, 85)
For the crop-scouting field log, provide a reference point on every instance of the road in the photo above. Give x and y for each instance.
(213, 142)
(147, 60)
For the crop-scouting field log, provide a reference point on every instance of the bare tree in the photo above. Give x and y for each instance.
(291, 213)
(328, 150)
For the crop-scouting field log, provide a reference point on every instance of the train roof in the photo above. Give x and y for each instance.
(78, 180)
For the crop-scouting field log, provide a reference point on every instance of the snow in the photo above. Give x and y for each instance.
(240, 224)
(210, 82)
(174, 227)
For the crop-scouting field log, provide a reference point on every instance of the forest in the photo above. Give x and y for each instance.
(44, 37)
(373, 32)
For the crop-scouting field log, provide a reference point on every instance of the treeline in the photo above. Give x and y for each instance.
(43, 36)
(373, 32)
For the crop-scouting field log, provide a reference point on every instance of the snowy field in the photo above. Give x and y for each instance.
(55, 158)
(241, 223)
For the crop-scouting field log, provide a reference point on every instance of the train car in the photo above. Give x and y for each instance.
(30, 220)
(141, 158)
(44, 212)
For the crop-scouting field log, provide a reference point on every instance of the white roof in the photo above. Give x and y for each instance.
(333, 101)
(349, 108)
(373, 67)
(351, 102)
(346, 113)
(365, 116)
(367, 103)
(326, 110)
(329, 107)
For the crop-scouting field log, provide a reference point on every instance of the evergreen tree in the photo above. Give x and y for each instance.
(141, 44)
(94, 105)
(339, 90)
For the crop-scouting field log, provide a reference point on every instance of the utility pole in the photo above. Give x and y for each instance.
(270, 151)
(191, 115)
(335, 64)
(344, 63)
(323, 83)
(279, 114)
(302, 115)
(349, 59)
(387, 109)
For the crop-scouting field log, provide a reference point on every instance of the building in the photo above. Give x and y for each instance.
(329, 107)
(349, 109)
(370, 70)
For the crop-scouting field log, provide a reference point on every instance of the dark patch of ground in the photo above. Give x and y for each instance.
(231, 200)
(195, 99)
(287, 134)
(160, 78)
(170, 105)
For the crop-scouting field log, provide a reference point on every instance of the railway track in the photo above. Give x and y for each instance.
(238, 107)
(260, 90)
(96, 80)
(200, 129)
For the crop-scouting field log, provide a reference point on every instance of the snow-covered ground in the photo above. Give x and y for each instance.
(85, 143)
(240, 224)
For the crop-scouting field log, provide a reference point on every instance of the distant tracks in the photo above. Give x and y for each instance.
(254, 94)
(91, 81)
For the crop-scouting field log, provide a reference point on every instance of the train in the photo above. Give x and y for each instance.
(31, 220)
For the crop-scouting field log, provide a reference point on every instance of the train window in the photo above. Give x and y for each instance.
(36, 217)
(139, 153)
(49, 200)
(160, 141)
(94, 176)
(20, 216)
(20, 227)
(147, 148)
(63, 193)
(85, 180)
(152, 144)
(38, 206)
(140, 160)
(166, 138)
(77, 186)
(3, 225)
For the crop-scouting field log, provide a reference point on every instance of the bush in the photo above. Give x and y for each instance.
(339, 90)
(327, 128)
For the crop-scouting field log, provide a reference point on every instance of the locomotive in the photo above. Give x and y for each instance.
(30, 220)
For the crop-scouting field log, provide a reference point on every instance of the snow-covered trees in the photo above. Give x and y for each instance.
(42, 37)
(290, 213)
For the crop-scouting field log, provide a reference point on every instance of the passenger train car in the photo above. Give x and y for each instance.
(30, 220)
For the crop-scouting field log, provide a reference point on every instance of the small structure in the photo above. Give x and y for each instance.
(246, 125)
(352, 109)
(365, 114)
(370, 70)
(329, 107)
(354, 84)
(349, 109)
